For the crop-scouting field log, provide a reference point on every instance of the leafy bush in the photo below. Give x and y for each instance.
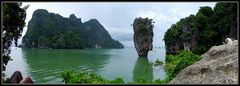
(85, 77)
(187, 58)
(176, 63)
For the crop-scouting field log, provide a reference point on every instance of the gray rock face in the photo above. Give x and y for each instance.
(28, 79)
(184, 41)
(218, 66)
(143, 35)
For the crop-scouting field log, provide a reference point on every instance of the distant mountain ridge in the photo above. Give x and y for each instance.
(49, 30)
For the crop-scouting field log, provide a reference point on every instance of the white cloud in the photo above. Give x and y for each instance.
(121, 34)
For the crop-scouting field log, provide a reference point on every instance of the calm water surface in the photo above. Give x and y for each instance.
(46, 65)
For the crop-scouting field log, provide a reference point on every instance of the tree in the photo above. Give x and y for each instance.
(43, 42)
(72, 40)
(58, 41)
(13, 24)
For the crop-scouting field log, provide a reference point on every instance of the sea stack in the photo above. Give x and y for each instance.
(143, 36)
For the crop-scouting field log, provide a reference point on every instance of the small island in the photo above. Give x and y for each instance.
(143, 36)
(49, 30)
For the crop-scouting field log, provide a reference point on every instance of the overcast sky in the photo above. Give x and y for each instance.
(117, 17)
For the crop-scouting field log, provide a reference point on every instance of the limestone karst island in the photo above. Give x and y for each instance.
(120, 43)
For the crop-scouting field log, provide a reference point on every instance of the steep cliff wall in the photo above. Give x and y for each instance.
(200, 32)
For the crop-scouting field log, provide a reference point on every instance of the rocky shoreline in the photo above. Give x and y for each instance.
(17, 78)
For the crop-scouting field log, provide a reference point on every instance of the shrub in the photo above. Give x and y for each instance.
(176, 63)
(85, 77)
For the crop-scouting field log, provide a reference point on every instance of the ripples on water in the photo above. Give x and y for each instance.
(46, 65)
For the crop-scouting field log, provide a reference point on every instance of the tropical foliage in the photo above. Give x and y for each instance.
(205, 29)
(176, 63)
(13, 23)
(86, 77)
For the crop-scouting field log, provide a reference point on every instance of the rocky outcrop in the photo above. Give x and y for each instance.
(218, 66)
(17, 78)
(143, 35)
(182, 42)
(28, 79)
(50, 30)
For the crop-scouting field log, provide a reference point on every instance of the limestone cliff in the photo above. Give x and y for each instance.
(198, 33)
(184, 40)
(50, 30)
(218, 66)
(143, 35)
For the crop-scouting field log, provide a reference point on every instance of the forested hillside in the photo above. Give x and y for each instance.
(200, 32)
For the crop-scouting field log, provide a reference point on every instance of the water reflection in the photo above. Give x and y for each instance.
(46, 65)
(143, 70)
(17, 63)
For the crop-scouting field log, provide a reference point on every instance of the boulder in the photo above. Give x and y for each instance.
(28, 79)
(16, 77)
(218, 66)
(143, 35)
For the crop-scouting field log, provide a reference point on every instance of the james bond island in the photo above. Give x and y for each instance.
(143, 36)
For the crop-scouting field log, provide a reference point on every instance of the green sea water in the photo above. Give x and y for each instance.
(46, 65)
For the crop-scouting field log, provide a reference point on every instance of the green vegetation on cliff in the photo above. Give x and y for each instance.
(49, 30)
(207, 28)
